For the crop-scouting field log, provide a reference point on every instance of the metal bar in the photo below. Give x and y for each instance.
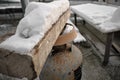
(83, 22)
(107, 48)
(75, 17)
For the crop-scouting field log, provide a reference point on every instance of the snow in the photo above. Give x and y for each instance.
(19, 44)
(79, 37)
(95, 13)
(102, 17)
(116, 16)
(67, 29)
(38, 19)
(113, 24)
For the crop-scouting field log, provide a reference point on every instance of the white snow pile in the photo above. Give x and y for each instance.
(38, 19)
(113, 24)
(94, 13)
(102, 17)
(79, 37)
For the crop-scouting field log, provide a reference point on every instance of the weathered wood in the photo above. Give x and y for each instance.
(42, 50)
(108, 48)
(96, 33)
(116, 41)
(117, 47)
(15, 65)
(105, 39)
(20, 66)
(92, 29)
(98, 46)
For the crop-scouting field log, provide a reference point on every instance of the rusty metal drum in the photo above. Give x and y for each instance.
(64, 65)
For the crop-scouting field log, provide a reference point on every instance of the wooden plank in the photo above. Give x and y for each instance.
(96, 33)
(117, 47)
(15, 65)
(30, 66)
(92, 29)
(108, 48)
(42, 50)
(97, 45)
(116, 41)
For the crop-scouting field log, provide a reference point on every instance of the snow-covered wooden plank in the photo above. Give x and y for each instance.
(38, 19)
(16, 65)
(42, 50)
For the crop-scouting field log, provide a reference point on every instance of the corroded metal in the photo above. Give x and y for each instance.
(65, 65)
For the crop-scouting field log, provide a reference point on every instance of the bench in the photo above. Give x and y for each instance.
(102, 18)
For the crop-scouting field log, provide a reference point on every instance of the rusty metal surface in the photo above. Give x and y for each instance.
(62, 65)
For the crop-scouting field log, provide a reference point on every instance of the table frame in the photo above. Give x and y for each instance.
(108, 45)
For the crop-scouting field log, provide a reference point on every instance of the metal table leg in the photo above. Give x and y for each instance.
(107, 48)
(75, 17)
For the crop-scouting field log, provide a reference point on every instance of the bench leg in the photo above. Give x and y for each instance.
(107, 48)
(83, 22)
(75, 17)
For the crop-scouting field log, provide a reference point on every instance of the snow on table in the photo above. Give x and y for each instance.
(113, 24)
(38, 19)
(100, 16)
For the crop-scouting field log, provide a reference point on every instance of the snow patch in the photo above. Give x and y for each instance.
(79, 37)
(95, 13)
(102, 17)
(113, 24)
(38, 19)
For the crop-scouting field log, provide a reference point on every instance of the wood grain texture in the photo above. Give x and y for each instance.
(42, 50)
(29, 66)
(15, 65)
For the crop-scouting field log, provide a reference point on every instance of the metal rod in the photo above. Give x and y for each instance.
(107, 48)
(75, 17)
